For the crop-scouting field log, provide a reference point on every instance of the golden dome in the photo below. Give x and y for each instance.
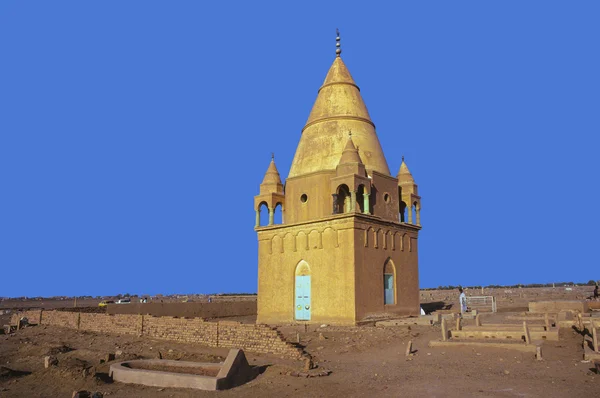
(339, 108)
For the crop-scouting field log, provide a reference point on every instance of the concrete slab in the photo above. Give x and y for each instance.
(423, 320)
(233, 372)
(589, 354)
(504, 334)
(557, 306)
(509, 346)
(529, 318)
(504, 326)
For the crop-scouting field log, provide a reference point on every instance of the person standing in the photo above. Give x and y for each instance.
(463, 301)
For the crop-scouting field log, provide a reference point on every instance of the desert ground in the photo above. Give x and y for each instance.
(362, 360)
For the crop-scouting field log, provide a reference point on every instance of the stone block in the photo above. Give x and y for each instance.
(557, 306)
(50, 361)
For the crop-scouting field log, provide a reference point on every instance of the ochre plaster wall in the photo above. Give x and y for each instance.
(346, 254)
(383, 184)
(376, 244)
(316, 187)
(327, 247)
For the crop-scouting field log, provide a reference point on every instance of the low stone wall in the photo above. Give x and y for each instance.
(594, 305)
(250, 337)
(33, 316)
(557, 306)
(188, 310)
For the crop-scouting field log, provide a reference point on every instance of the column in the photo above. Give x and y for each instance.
(257, 218)
(271, 216)
(366, 203)
(409, 211)
(352, 201)
(335, 204)
(418, 215)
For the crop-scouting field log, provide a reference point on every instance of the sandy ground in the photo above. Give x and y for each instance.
(364, 361)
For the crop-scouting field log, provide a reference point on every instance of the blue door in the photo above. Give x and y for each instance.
(302, 303)
(388, 288)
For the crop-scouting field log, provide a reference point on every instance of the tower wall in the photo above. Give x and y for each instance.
(376, 243)
(316, 187)
(346, 255)
(328, 248)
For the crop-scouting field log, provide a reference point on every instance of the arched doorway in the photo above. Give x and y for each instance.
(302, 304)
(389, 282)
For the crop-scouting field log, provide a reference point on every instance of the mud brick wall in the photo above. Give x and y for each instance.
(57, 318)
(188, 310)
(33, 316)
(557, 306)
(119, 324)
(257, 338)
(253, 338)
(194, 330)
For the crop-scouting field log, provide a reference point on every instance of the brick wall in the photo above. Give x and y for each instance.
(192, 330)
(58, 318)
(249, 337)
(33, 316)
(188, 310)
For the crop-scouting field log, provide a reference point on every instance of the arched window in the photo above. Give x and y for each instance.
(360, 199)
(263, 210)
(343, 199)
(389, 283)
(403, 212)
(413, 208)
(278, 214)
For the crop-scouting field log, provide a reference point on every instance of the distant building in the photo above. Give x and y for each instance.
(347, 244)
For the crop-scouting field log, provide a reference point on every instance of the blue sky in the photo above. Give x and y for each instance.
(134, 135)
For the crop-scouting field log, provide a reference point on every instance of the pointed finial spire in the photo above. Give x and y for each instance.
(338, 49)
(350, 133)
(273, 156)
(403, 158)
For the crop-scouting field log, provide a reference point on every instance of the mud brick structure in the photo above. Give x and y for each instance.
(250, 337)
(188, 310)
(346, 247)
(557, 306)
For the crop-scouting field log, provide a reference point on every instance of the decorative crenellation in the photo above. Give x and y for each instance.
(304, 240)
(380, 238)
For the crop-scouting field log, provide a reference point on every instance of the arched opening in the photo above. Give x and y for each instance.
(373, 200)
(402, 212)
(263, 211)
(278, 218)
(302, 304)
(413, 209)
(389, 283)
(360, 199)
(343, 199)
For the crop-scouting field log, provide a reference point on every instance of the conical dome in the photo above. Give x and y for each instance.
(404, 174)
(339, 108)
(350, 153)
(272, 181)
